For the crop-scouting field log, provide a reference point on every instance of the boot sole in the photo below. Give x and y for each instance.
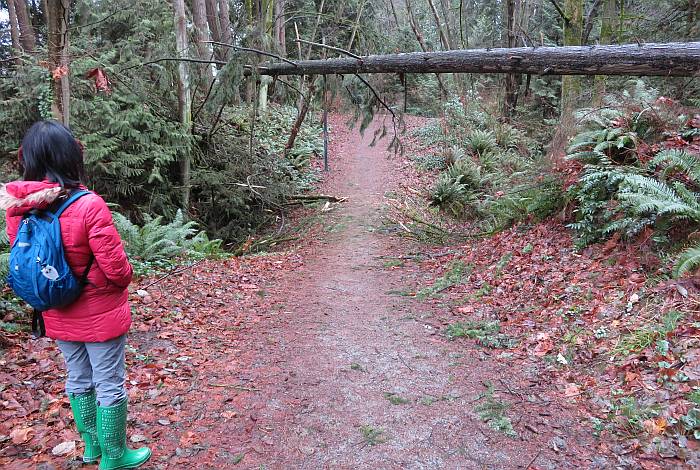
(131, 465)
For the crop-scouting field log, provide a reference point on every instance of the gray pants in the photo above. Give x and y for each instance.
(96, 365)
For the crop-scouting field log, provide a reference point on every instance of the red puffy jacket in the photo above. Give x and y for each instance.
(102, 311)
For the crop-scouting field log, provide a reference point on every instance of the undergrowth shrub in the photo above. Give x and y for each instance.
(480, 142)
(629, 187)
(158, 241)
(497, 175)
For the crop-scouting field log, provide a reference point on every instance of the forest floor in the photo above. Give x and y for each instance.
(337, 352)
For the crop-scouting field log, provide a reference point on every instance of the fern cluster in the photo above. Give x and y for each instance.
(490, 171)
(661, 195)
(155, 240)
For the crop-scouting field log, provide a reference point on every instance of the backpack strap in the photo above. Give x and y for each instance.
(84, 279)
(71, 199)
(38, 328)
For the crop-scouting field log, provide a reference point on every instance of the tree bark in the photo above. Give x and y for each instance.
(606, 36)
(419, 37)
(669, 59)
(14, 27)
(511, 98)
(213, 20)
(280, 34)
(573, 32)
(225, 22)
(26, 33)
(201, 27)
(438, 24)
(57, 15)
(184, 99)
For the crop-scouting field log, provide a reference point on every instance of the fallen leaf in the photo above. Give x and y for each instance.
(571, 390)
(543, 347)
(21, 435)
(64, 448)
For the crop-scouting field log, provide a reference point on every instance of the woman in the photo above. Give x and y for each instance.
(91, 332)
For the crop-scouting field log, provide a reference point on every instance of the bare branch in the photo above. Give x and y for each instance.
(250, 49)
(174, 59)
(560, 11)
(589, 21)
(332, 48)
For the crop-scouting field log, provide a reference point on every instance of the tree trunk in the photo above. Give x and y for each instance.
(57, 15)
(280, 34)
(14, 27)
(511, 98)
(213, 20)
(449, 19)
(393, 12)
(693, 18)
(573, 30)
(606, 36)
(184, 99)
(356, 25)
(26, 32)
(590, 19)
(201, 27)
(670, 59)
(438, 24)
(300, 119)
(419, 37)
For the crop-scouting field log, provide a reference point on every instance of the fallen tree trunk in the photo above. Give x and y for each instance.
(669, 59)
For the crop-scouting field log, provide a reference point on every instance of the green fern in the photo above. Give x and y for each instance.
(452, 196)
(647, 196)
(157, 241)
(468, 173)
(688, 261)
(479, 142)
(674, 160)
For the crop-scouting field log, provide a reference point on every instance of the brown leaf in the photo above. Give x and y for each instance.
(21, 435)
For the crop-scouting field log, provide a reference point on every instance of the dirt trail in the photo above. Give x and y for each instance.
(350, 376)
(252, 363)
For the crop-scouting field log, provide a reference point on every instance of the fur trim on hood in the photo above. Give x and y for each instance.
(21, 196)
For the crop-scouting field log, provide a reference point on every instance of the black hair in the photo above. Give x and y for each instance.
(49, 151)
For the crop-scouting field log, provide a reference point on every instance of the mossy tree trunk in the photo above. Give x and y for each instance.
(184, 98)
(573, 31)
(607, 21)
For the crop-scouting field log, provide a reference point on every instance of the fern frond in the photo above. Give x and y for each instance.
(678, 160)
(688, 261)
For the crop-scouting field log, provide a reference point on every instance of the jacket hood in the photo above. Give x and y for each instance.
(19, 197)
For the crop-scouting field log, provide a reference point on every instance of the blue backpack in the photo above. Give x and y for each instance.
(39, 272)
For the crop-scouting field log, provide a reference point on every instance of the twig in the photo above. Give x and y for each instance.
(174, 59)
(533, 459)
(237, 387)
(174, 271)
(404, 363)
(560, 11)
(250, 49)
(82, 26)
(332, 48)
(286, 83)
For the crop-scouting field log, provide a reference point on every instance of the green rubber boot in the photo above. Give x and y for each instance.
(111, 432)
(85, 415)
